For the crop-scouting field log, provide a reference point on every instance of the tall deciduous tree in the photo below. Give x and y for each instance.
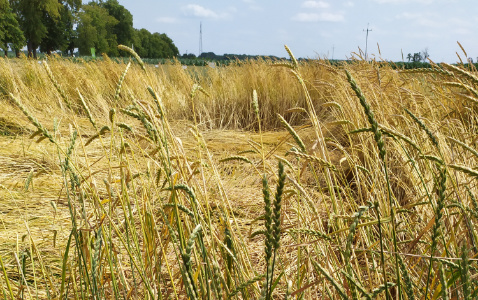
(60, 32)
(10, 32)
(31, 14)
(95, 30)
(142, 42)
(154, 45)
(123, 30)
(172, 50)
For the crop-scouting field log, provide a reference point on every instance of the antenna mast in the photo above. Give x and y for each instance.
(366, 41)
(200, 38)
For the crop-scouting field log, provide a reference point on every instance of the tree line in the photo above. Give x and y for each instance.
(64, 25)
(418, 56)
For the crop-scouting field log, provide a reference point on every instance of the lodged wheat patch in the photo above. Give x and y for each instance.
(258, 180)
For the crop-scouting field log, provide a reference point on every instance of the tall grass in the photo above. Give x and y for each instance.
(374, 190)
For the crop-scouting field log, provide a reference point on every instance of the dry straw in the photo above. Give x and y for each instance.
(168, 222)
(56, 84)
(32, 119)
(462, 72)
(312, 158)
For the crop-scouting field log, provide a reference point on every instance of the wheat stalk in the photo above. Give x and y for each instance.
(441, 188)
(382, 152)
(121, 80)
(87, 110)
(313, 159)
(135, 55)
(431, 136)
(32, 119)
(308, 231)
(427, 70)
(462, 72)
(295, 64)
(56, 84)
(293, 133)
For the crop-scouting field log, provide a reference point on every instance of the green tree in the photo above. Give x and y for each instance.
(10, 32)
(172, 50)
(60, 33)
(73, 7)
(95, 30)
(31, 15)
(123, 30)
(417, 57)
(142, 42)
(162, 46)
(158, 46)
(154, 45)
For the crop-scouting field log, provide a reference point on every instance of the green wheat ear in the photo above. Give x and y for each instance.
(368, 111)
(87, 110)
(32, 119)
(430, 134)
(293, 133)
(135, 55)
(121, 80)
(295, 64)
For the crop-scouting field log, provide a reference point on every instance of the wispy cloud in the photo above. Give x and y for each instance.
(315, 4)
(404, 1)
(424, 19)
(167, 20)
(199, 11)
(409, 16)
(253, 5)
(349, 4)
(314, 17)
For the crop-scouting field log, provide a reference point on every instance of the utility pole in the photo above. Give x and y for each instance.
(200, 39)
(333, 49)
(366, 41)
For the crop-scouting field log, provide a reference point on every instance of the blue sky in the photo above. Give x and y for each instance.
(315, 28)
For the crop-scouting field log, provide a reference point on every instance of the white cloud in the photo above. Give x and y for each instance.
(232, 9)
(349, 4)
(315, 4)
(200, 12)
(167, 20)
(313, 17)
(252, 5)
(424, 19)
(409, 16)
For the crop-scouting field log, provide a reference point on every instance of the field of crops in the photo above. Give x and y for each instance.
(291, 180)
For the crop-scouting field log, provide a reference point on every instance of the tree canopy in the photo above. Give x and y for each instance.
(154, 45)
(95, 30)
(63, 25)
(10, 32)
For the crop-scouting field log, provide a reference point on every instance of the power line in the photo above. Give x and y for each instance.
(366, 40)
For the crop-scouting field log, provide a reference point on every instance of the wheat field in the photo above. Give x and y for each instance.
(258, 180)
